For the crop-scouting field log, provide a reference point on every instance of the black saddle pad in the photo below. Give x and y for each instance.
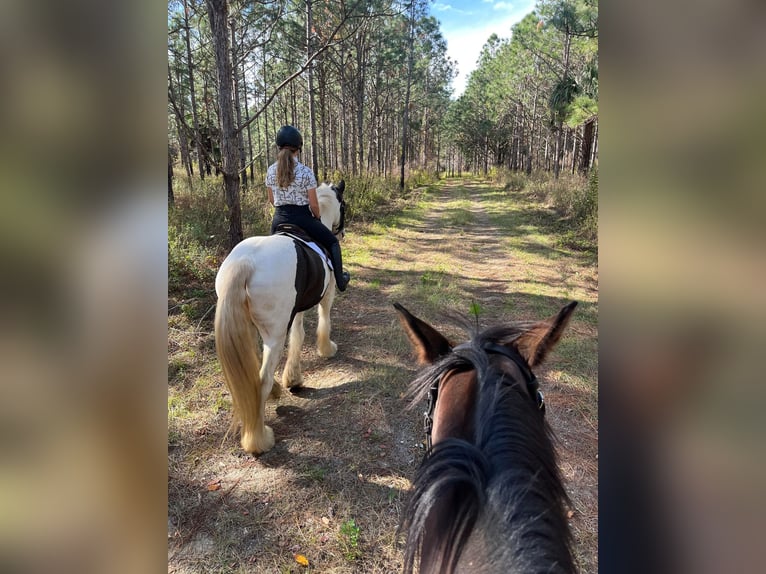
(310, 275)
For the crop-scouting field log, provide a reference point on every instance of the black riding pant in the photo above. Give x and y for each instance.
(300, 215)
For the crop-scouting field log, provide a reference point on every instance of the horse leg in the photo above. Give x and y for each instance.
(325, 346)
(292, 374)
(272, 351)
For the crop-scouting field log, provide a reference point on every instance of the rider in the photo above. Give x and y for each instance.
(293, 192)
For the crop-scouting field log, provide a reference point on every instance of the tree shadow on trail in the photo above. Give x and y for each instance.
(330, 465)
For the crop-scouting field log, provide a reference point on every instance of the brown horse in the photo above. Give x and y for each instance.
(488, 496)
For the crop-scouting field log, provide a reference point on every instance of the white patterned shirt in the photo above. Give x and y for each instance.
(298, 192)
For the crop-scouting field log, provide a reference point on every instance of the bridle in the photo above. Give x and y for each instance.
(340, 229)
(533, 386)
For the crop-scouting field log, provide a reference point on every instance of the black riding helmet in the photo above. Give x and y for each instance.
(290, 137)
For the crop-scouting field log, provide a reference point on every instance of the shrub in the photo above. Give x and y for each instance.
(511, 180)
(367, 196)
(422, 178)
(574, 197)
(198, 228)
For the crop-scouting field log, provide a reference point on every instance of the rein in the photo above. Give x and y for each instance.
(508, 352)
(340, 229)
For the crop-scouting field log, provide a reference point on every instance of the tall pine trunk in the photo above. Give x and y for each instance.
(361, 67)
(560, 136)
(406, 113)
(247, 122)
(312, 112)
(218, 13)
(183, 141)
(265, 111)
(190, 66)
(171, 197)
(323, 114)
(238, 109)
(587, 145)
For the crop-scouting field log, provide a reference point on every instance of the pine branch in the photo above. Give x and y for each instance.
(187, 129)
(328, 43)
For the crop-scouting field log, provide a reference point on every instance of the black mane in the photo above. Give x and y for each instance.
(498, 502)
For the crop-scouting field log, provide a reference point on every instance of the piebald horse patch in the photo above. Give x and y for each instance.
(309, 275)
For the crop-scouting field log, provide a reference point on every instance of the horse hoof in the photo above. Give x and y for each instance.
(276, 391)
(294, 383)
(258, 445)
(330, 351)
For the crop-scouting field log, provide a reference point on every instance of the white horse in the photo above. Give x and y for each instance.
(264, 285)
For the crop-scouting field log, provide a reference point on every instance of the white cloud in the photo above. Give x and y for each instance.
(440, 7)
(502, 6)
(464, 46)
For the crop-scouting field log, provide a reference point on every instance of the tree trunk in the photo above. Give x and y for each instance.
(559, 138)
(587, 145)
(343, 112)
(218, 12)
(576, 149)
(190, 65)
(238, 110)
(424, 131)
(183, 144)
(183, 140)
(406, 113)
(360, 67)
(265, 111)
(171, 197)
(208, 122)
(438, 154)
(323, 113)
(594, 158)
(293, 107)
(247, 121)
(531, 147)
(486, 156)
(312, 113)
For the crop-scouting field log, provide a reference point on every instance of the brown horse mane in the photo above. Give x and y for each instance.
(499, 498)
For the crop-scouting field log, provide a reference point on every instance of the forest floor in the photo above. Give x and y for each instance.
(334, 486)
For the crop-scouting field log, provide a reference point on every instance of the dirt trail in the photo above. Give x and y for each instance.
(333, 487)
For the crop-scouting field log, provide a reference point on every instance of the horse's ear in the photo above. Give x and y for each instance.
(536, 341)
(427, 342)
(341, 187)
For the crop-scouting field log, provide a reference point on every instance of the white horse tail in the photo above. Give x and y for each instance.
(236, 342)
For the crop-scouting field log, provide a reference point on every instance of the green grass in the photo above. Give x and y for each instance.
(222, 404)
(315, 473)
(177, 408)
(572, 196)
(348, 537)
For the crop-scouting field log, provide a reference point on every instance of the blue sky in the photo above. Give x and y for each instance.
(466, 25)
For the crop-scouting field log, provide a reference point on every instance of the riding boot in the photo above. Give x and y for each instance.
(341, 277)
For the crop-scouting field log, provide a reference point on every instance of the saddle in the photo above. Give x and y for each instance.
(300, 234)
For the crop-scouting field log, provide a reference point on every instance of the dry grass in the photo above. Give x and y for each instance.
(334, 486)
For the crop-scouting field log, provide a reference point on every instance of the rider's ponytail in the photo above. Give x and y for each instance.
(285, 167)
